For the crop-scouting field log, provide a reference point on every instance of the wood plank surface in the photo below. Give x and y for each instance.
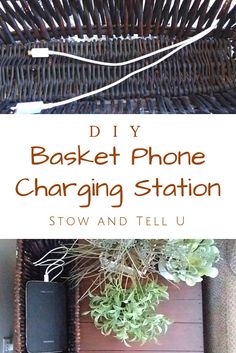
(180, 337)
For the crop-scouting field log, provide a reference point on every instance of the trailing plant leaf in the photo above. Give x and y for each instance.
(130, 313)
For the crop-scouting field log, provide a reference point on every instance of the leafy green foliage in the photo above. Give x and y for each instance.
(130, 313)
(189, 259)
(119, 259)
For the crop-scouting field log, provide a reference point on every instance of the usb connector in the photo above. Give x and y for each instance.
(39, 52)
(28, 108)
(46, 277)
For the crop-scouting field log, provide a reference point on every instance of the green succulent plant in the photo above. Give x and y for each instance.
(130, 313)
(188, 260)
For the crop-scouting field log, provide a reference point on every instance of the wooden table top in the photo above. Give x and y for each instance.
(185, 335)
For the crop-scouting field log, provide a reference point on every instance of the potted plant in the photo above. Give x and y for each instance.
(121, 259)
(188, 260)
(130, 313)
(124, 280)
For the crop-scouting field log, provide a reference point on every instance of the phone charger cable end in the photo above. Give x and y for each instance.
(39, 52)
(28, 108)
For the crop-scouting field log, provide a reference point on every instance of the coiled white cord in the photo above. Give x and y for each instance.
(37, 107)
(52, 264)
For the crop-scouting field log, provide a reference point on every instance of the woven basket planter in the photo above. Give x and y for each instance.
(200, 78)
(27, 252)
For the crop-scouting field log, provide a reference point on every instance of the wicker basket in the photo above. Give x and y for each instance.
(201, 78)
(219, 302)
(27, 252)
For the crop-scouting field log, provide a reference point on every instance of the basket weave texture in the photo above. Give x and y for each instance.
(201, 78)
(27, 252)
(220, 302)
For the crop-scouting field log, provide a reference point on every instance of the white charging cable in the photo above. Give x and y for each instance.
(45, 53)
(52, 264)
(37, 107)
